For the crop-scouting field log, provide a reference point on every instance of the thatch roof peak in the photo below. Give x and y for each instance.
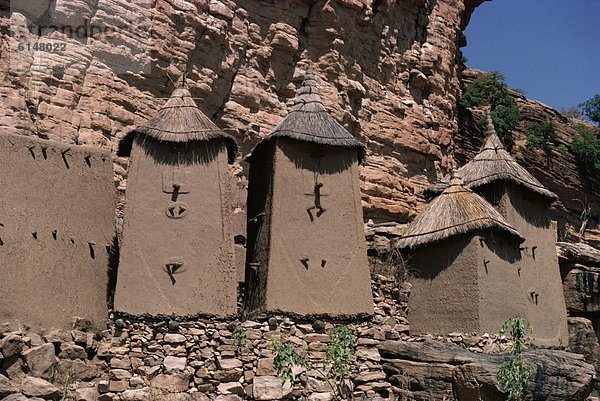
(309, 121)
(493, 163)
(458, 210)
(179, 120)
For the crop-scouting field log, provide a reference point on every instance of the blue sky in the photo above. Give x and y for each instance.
(549, 48)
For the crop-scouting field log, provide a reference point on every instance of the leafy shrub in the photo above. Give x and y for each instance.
(513, 374)
(336, 366)
(586, 148)
(571, 112)
(285, 358)
(540, 135)
(341, 347)
(490, 90)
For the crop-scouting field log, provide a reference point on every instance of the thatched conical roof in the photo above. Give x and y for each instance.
(493, 163)
(458, 210)
(179, 121)
(309, 121)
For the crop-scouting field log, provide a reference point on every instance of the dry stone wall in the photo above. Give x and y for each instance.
(193, 360)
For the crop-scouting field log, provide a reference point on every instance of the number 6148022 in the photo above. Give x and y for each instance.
(43, 47)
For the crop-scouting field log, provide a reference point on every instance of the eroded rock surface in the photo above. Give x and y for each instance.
(388, 72)
(433, 370)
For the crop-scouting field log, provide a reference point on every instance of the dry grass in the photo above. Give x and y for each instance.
(179, 121)
(458, 210)
(309, 121)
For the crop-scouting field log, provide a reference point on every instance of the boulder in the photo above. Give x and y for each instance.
(583, 340)
(86, 394)
(36, 387)
(81, 370)
(578, 253)
(228, 363)
(40, 360)
(72, 351)
(230, 388)
(7, 387)
(176, 382)
(16, 397)
(581, 289)
(270, 388)
(173, 364)
(11, 345)
(174, 338)
(433, 369)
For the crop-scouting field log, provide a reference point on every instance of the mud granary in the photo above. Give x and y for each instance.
(177, 251)
(525, 204)
(464, 253)
(57, 207)
(306, 251)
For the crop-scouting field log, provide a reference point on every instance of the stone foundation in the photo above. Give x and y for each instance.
(136, 359)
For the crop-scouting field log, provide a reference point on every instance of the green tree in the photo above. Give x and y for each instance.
(571, 112)
(586, 148)
(490, 90)
(591, 109)
(540, 135)
(513, 374)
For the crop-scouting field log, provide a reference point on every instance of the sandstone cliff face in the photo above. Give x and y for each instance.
(388, 71)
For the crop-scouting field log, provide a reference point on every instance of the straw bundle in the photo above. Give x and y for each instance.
(179, 121)
(493, 163)
(309, 121)
(458, 210)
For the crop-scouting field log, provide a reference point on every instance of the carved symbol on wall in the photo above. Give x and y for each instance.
(172, 267)
(313, 183)
(534, 296)
(91, 244)
(317, 205)
(305, 261)
(176, 182)
(176, 210)
(485, 265)
(64, 157)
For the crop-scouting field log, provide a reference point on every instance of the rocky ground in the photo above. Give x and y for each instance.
(202, 359)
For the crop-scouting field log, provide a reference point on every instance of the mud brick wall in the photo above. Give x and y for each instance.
(57, 208)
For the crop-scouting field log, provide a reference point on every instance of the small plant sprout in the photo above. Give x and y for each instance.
(239, 337)
(286, 357)
(336, 365)
(341, 347)
(513, 374)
